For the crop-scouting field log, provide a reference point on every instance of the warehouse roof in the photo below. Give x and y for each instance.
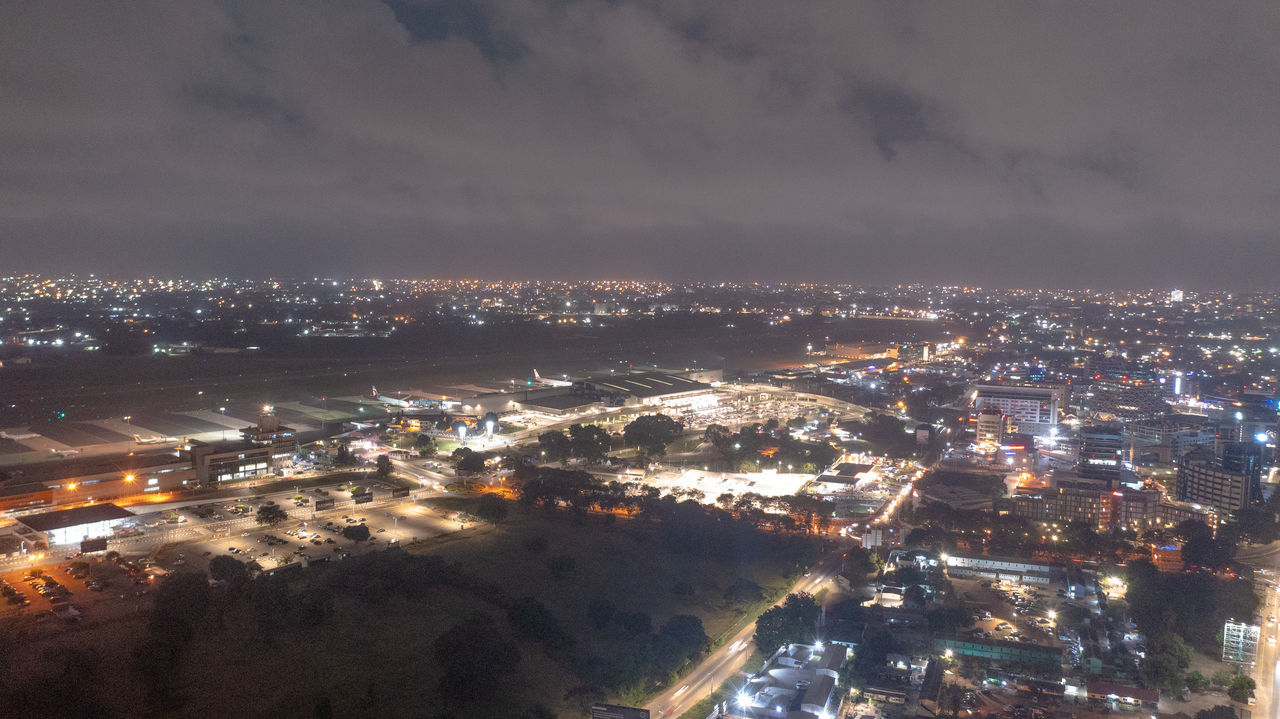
(63, 518)
(648, 384)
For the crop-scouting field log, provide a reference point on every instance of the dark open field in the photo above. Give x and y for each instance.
(93, 385)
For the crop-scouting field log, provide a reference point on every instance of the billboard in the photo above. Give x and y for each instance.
(362, 498)
(613, 711)
(1240, 642)
(323, 504)
(94, 545)
(400, 492)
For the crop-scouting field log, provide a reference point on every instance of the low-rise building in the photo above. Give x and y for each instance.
(70, 526)
(262, 450)
(798, 682)
(1002, 568)
(999, 650)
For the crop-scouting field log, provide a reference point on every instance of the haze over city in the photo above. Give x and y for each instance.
(1067, 145)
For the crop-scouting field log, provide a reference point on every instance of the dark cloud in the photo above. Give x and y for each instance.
(1085, 143)
(893, 116)
(437, 20)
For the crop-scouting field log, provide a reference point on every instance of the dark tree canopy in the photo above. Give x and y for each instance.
(492, 508)
(795, 620)
(555, 446)
(652, 433)
(271, 514)
(356, 532)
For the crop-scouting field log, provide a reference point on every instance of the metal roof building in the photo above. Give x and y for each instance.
(68, 526)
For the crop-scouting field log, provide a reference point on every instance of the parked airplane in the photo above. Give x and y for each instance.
(538, 379)
(154, 440)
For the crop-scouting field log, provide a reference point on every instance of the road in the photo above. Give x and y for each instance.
(1266, 672)
(726, 662)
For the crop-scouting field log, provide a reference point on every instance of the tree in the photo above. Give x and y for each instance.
(555, 446)
(717, 435)
(795, 620)
(489, 422)
(1241, 688)
(743, 590)
(425, 444)
(227, 568)
(468, 460)
(491, 508)
(589, 441)
(948, 620)
(271, 514)
(689, 636)
(1167, 659)
(181, 602)
(1221, 711)
(1197, 682)
(384, 466)
(344, 458)
(356, 532)
(651, 433)
(532, 618)
(474, 654)
(857, 564)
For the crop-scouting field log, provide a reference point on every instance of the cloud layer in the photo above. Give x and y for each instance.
(1086, 144)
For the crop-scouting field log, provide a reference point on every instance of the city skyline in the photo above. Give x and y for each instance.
(1076, 146)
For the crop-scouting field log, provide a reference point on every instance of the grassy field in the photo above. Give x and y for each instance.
(622, 561)
(376, 656)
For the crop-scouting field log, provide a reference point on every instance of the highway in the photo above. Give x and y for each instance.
(726, 662)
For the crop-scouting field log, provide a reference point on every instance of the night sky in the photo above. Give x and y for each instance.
(1105, 144)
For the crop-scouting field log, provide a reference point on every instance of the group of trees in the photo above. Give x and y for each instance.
(943, 527)
(768, 446)
(466, 459)
(1180, 612)
(651, 433)
(888, 433)
(794, 621)
(1193, 605)
(646, 656)
(589, 442)
(580, 491)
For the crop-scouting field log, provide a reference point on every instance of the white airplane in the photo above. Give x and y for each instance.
(393, 401)
(154, 440)
(539, 379)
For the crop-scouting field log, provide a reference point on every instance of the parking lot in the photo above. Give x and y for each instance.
(1017, 612)
(318, 539)
(78, 589)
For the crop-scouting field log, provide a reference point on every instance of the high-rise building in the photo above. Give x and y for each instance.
(1101, 453)
(1228, 481)
(1033, 408)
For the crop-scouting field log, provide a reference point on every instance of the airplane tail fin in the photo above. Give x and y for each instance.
(375, 390)
(536, 375)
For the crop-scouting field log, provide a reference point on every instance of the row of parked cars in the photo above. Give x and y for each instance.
(12, 595)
